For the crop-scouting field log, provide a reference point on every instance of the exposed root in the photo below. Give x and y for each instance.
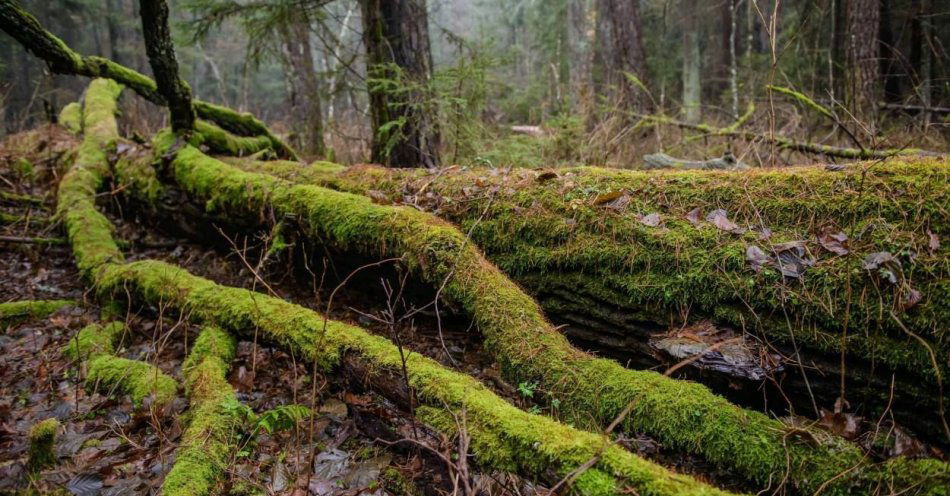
(209, 441)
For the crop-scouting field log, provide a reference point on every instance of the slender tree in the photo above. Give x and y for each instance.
(692, 62)
(305, 108)
(621, 54)
(399, 63)
(161, 56)
(862, 77)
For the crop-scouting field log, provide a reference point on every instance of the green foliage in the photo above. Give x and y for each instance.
(42, 440)
(282, 418)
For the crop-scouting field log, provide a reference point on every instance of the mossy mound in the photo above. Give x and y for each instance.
(42, 439)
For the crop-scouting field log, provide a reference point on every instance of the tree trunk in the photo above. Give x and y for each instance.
(889, 63)
(114, 15)
(692, 62)
(398, 58)
(161, 55)
(305, 109)
(622, 55)
(862, 77)
(579, 46)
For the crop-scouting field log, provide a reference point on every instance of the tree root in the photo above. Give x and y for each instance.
(95, 346)
(685, 416)
(16, 312)
(210, 439)
(529, 443)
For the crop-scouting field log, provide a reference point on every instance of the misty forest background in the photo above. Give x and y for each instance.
(586, 71)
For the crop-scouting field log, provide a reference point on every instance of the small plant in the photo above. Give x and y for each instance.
(282, 418)
(526, 389)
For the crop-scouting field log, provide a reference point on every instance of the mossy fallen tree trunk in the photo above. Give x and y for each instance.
(582, 241)
(684, 416)
(61, 59)
(512, 439)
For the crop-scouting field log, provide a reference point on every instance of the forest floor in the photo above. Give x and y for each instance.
(357, 442)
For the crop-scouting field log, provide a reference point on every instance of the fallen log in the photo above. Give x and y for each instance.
(61, 59)
(787, 143)
(510, 439)
(684, 416)
(599, 267)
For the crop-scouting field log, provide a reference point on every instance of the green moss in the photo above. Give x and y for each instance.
(543, 233)
(220, 141)
(210, 439)
(16, 312)
(71, 117)
(591, 391)
(140, 380)
(397, 484)
(94, 340)
(42, 439)
(89, 232)
(243, 124)
(527, 443)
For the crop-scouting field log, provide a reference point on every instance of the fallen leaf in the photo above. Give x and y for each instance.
(834, 167)
(651, 220)
(693, 216)
(906, 445)
(791, 258)
(934, 242)
(911, 298)
(846, 425)
(886, 265)
(835, 242)
(87, 484)
(720, 219)
(765, 233)
(606, 197)
(757, 258)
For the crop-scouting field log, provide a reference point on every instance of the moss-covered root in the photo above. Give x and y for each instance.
(90, 232)
(220, 141)
(684, 416)
(42, 438)
(507, 438)
(138, 379)
(94, 340)
(71, 117)
(16, 312)
(95, 346)
(208, 442)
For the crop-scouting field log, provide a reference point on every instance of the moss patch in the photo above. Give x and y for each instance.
(93, 340)
(71, 117)
(42, 438)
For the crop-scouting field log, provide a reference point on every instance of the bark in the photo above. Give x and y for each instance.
(889, 60)
(622, 52)
(579, 46)
(862, 77)
(399, 61)
(305, 107)
(161, 56)
(692, 62)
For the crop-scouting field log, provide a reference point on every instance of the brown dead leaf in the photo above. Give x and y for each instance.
(911, 298)
(720, 219)
(846, 425)
(693, 216)
(884, 264)
(906, 445)
(606, 197)
(933, 242)
(835, 242)
(792, 258)
(651, 220)
(757, 258)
